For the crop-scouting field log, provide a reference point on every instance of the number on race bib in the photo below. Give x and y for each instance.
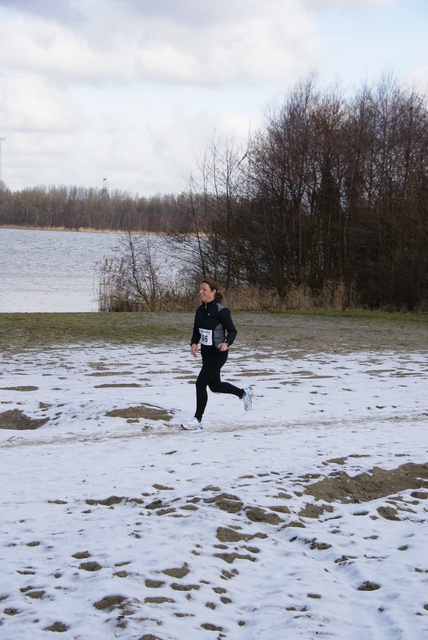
(206, 337)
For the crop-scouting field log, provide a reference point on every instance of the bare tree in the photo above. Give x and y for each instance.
(140, 277)
(213, 203)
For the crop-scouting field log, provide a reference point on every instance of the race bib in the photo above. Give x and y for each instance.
(206, 337)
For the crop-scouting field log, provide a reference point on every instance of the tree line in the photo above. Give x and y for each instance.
(74, 208)
(329, 200)
(327, 204)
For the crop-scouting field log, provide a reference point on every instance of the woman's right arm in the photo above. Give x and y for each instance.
(196, 336)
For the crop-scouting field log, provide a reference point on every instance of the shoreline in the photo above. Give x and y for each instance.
(78, 230)
(92, 230)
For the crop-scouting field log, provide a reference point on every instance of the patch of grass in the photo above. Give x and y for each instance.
(326, 331)
(365, 314)
(19, 331)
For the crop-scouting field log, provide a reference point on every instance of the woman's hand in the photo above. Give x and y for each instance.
(223, 346)
(194, 350)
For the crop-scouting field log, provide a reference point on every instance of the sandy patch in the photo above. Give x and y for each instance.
(141, 412)
(377, 483)
(16, 419)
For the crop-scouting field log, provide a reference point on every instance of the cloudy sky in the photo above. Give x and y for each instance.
(131, 91)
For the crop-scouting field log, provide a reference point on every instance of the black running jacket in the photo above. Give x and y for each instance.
(213, 325)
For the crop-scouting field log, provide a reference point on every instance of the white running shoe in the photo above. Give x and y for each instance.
(248, 398)
(192, 425)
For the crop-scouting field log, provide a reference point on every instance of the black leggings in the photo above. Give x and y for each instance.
(212, 362)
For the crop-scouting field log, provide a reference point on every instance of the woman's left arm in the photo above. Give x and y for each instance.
(229, 327)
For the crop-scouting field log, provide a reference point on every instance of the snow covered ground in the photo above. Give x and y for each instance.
(303, 518)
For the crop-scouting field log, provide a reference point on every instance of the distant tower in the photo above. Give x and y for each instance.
(1, 140)
(104, 186)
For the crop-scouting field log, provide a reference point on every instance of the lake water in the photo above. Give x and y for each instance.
(51, 271)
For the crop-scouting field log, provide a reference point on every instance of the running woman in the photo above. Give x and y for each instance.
(215, 330)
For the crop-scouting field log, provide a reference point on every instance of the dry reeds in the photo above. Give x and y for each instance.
(118, 292)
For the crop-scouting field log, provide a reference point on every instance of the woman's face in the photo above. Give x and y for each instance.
(206, 294)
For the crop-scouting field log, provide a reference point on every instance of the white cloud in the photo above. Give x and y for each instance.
(48, 49)
(261, 44)
(67, 73)
(28, 103)
(133, 89)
